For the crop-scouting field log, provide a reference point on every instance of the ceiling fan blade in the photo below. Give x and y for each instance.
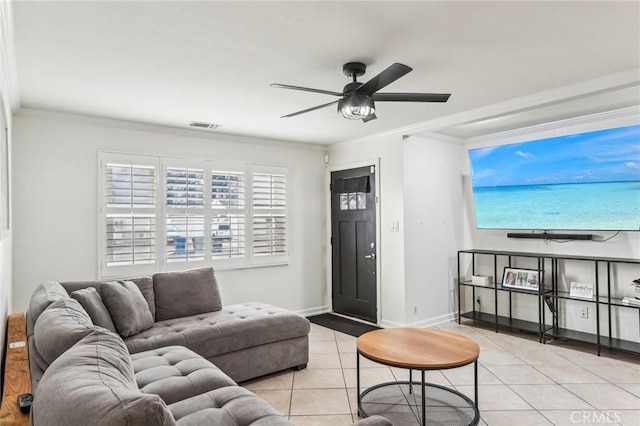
(305, 89)
(309, 110)
(369, 118)
(383, 79)
(410, 97)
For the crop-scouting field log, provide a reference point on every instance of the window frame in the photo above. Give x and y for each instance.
(161, 211)
(106, 270)
(167, 210)
(234, 167)
(273, 170)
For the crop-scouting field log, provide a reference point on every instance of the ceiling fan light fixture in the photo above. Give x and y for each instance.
(356, 107)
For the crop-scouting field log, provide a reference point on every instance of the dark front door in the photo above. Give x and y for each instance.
(353, 242)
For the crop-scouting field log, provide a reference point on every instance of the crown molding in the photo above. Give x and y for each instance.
(165, 130)
(437, 137)
(631, 114)
(619, 80)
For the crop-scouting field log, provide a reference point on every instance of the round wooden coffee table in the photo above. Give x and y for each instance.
(421, 349)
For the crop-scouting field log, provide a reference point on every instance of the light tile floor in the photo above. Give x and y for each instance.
(521, 382)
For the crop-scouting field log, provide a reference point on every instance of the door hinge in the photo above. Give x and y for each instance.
(329, 187)
(373, 169)
(376, 199)
(331, 240)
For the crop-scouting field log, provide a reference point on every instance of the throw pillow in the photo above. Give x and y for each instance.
(92, 303)
(145, 284)
(181, 294)
(59, 327)
(127, 307)
(94, 383)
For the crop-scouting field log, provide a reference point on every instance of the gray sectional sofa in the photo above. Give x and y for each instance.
(158, 350)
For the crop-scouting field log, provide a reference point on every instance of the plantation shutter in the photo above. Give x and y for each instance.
(185, 219)
(157, 214)
(129, 215)
(269, 214)
(228, 207)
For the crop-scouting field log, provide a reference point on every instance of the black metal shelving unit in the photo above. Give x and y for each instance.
(549, 295)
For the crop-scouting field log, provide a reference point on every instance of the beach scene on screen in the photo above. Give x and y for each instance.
(586, 181)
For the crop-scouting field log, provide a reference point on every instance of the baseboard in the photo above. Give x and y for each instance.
(431, 322)
(391, 324)
(314, 311)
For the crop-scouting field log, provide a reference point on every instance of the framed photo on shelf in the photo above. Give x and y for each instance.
(523, 279)
(581, 290)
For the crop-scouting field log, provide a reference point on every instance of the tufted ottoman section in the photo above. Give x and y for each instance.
(176, 373)
(229, 406)
(233, 328)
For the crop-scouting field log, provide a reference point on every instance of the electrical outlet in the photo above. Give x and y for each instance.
(415, 309)
(584, 313)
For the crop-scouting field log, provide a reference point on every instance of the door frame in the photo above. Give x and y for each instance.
(375, 162)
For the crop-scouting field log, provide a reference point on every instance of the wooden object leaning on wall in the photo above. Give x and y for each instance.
(17, 377)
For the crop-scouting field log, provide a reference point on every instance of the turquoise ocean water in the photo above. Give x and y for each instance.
(588, 206)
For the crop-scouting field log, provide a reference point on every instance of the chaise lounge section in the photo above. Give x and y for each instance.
(245, 341)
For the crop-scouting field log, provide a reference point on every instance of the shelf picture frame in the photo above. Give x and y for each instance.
(522, 279)
(581, 290)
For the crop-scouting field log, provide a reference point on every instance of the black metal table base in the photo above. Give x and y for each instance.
(421, 403)
(401, 402)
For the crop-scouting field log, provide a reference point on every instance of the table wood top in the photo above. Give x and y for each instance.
(418, 348)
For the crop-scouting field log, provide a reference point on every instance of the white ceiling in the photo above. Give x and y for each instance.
(169, 63)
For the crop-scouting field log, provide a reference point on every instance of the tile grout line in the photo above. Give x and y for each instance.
(344, 379)
(596, 370)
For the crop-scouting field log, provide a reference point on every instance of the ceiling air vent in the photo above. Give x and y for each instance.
(202, 125)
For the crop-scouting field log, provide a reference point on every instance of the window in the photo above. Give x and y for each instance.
(269, 212)
(130, 219)
(199, 212)
(184, 204)
(228, 214)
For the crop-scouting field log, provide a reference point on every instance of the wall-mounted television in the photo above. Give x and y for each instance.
(586, 181)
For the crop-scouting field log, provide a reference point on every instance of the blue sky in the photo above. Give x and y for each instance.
(603, 156)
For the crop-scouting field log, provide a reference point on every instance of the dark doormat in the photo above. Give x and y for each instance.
(343, 325)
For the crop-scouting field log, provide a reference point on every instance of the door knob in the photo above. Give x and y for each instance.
(370, 256)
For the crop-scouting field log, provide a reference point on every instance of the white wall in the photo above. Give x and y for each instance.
(433, 170)
(625, 245)
(55, 183)
(391, 274)
(424, 183)
(8, 90)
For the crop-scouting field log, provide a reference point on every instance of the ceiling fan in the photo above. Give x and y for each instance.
(358, 99)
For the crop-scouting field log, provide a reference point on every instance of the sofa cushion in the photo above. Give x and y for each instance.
(145, 284)
(44, 295)
(92, 303)
(176, 373)
(181, 294)
(127, 307)
(233, 328)
(232, 405)
(59, 327)
(93, 383)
